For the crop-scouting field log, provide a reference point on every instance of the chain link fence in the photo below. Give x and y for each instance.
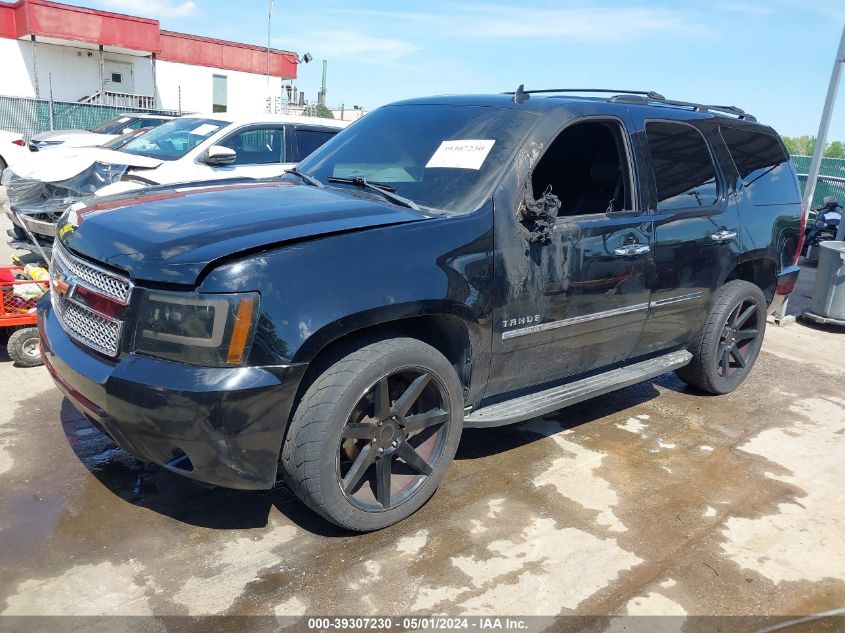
(32, 116)
(831, 178)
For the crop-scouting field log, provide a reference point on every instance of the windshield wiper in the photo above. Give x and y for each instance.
(385, 190)
(306, 177)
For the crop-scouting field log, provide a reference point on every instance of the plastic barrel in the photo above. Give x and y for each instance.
(829, 291)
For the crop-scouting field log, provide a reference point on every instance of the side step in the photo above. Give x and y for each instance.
(548, 400)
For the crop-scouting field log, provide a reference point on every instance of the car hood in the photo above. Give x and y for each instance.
(171, 234)
(63, 162)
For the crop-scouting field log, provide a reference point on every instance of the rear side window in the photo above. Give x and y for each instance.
(684, 174)
(763, 166)
(309, 140)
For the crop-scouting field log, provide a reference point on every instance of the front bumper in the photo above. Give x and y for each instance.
(222, 426)
(786, 281)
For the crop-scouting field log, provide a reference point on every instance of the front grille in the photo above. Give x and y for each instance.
(90, 327)
(105, 282)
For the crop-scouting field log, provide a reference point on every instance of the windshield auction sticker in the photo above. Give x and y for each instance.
(463, 154)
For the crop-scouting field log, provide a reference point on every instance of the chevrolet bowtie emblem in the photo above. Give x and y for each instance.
(63, 285)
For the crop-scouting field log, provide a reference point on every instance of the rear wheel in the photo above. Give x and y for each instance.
(726, 348)
(24, 347)
(374, 434)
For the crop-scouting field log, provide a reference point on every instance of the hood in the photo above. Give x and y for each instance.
(173, 233)
(63, 162)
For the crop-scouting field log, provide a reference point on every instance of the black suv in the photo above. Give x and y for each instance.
(442, 263)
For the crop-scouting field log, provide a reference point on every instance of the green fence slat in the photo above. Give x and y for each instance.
(834, 167)
(32, 116)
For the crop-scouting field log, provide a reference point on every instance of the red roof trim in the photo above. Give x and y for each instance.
(80, 24)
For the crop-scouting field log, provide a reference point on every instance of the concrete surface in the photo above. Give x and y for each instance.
(650, 501)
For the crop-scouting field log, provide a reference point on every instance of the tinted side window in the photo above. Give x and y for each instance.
(309, 140)
(763, 166)
(683, 169)
(263, 146)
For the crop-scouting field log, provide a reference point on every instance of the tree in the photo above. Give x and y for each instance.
(318, 110)
(835, 150)
(800, 145)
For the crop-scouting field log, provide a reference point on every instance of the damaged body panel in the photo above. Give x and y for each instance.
(42, 187)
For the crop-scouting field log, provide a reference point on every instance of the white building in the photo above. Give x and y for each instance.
(76, 54)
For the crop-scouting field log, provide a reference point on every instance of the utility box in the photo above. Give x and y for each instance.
(829, 293)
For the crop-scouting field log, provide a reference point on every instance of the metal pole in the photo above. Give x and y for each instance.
(269, 24)
(102, 76)
(824, 124)
(35, 66)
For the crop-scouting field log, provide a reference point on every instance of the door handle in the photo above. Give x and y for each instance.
(722, 236)
(632, 250)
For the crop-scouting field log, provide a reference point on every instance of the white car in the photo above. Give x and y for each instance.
(103, 133)
(188, 149)
(220, 145)
(12, 147)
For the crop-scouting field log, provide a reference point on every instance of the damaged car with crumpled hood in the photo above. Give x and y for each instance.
(192, 148)
(42, 187)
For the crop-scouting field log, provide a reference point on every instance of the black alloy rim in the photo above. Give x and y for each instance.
(393, 440)
(738, 340)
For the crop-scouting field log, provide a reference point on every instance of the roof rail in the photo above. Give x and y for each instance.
(696, 107)
(648, 93)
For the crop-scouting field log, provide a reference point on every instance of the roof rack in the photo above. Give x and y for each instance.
(695, 107)
(637, 96)
(648, 93)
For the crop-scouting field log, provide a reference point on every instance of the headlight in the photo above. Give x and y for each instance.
(212, 330)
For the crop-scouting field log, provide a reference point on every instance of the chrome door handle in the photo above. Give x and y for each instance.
(632, 250)
(723, 236)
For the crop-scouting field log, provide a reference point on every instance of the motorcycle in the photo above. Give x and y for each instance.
(824, 227)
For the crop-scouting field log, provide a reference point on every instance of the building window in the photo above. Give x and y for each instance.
(219, 97)
(116, 78)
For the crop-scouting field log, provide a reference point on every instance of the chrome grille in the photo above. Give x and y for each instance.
(91, 328)
(103, 281)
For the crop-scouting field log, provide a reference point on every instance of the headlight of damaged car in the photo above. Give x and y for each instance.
(212, 330)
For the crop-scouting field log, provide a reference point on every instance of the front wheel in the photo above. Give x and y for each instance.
(725, 349)
(374, 434)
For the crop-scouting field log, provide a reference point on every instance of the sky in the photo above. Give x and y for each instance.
(772, 58)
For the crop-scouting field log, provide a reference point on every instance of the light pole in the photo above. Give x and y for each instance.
(824, 125)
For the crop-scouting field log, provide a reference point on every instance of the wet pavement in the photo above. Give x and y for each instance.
(653, 500)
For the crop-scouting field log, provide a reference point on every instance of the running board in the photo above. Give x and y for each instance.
(548, 400)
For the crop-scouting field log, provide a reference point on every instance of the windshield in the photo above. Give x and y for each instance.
(173, 139)
(439, 156)
(120, 141)
(112, 126)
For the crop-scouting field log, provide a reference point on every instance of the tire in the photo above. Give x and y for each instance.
(24, 347)
(726, 348)
(361, 426)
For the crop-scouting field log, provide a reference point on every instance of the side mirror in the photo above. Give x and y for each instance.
(218, 155)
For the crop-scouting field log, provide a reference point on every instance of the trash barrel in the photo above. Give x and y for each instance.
(829, 292)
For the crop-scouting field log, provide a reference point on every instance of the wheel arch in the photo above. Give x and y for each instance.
(760, 271)
(449, 328)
